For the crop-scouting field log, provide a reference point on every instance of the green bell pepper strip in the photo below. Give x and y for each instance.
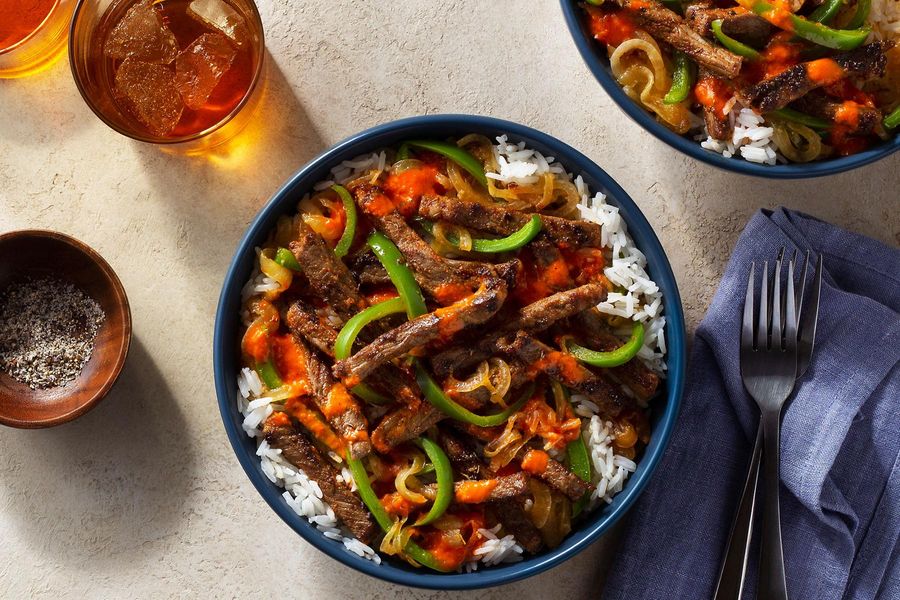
(437, 398)
(343, 245)
(826, 11)
(443, 472)
(839, 39)
(893, 119)
(863, 7)
(269, 375)
(739, 48)
(579, 463)
(595, 2)
(402, 278)
(285, 258)
(682, 80)
(513, 241)
(613, 358)
(454, 153)
(370, 499)
(403, 152)
(343, 345)
(789, 114)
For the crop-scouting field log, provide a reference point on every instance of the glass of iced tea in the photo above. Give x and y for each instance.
(32, 34)
(182, 72)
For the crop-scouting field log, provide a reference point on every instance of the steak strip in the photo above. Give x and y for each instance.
(748, 28)
(634, 374)
(298, 450)
(665, 25)
(865, 62)
(502, 221)
(442, 323)
(511, 514)
(563, 367)
(442, 278)
(403, 424)
(858, 118)
(533, 318)
(327, 274)
(562, 479)
(338, 406)
(484, 490)
(305, 324)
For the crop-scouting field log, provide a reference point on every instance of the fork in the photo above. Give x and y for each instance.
(734, 564)
(769, 370)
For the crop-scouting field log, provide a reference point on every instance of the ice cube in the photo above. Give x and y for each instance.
(219, 15)
(149, 91)
(142, 34)
(200, 66)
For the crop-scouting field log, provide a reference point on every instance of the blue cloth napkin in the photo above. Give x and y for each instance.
(840, 461)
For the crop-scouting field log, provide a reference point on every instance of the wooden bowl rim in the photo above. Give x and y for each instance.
(121, 300)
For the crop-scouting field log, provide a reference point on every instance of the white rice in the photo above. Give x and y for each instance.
(884, 17)
(751, 139)
(640, 301)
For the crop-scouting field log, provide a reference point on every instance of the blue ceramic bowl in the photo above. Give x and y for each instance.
(597, 61)
(284, 202)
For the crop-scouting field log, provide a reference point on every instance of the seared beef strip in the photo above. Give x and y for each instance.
(403, 424)
(859, 118)
(718, 125)
(303, 322)
(634, 374)
(442, 324)
(532, 318)
(485, 490)
(748, 28)
(865, 62)
(298, 450)
(501, 221)
(462, 457)
(328, 276)
(338, 405)
(511, 514)
(367, 270)
(700, 16)
(567, 370)
(387, 379)
(557, 476)
(443, 279)
(668, 26)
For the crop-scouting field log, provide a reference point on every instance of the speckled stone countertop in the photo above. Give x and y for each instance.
(143, 497)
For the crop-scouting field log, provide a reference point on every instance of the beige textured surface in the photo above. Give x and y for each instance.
(143, 497)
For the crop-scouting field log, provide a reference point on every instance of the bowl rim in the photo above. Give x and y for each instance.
(302, 181)
(124, 305)
(598, 66)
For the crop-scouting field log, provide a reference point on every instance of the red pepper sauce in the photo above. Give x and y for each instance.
(289, 360)
(779, 55)
(538, 282)
(396, 505)
(824, 71)
(474, 492)
(610, 25)
(537, 418)
(447, 551)
(408, 187)
(714, 93)
(535, 462)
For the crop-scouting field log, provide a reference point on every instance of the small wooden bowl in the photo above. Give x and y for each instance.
(33, 253)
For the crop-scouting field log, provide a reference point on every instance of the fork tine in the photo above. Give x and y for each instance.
(762, 327)
(790, 319)
(801, 290)
(781, 258)
(747, 328)
(777, 326)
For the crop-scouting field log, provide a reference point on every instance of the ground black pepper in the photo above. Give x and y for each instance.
(47, 331)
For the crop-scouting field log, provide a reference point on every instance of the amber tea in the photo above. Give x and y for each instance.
(32, 34)
(19, 19)
(174, 68)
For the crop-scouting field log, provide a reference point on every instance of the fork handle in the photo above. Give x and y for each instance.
(772, 584)
(734, 565)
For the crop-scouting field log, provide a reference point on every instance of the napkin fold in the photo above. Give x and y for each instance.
(840, 446)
